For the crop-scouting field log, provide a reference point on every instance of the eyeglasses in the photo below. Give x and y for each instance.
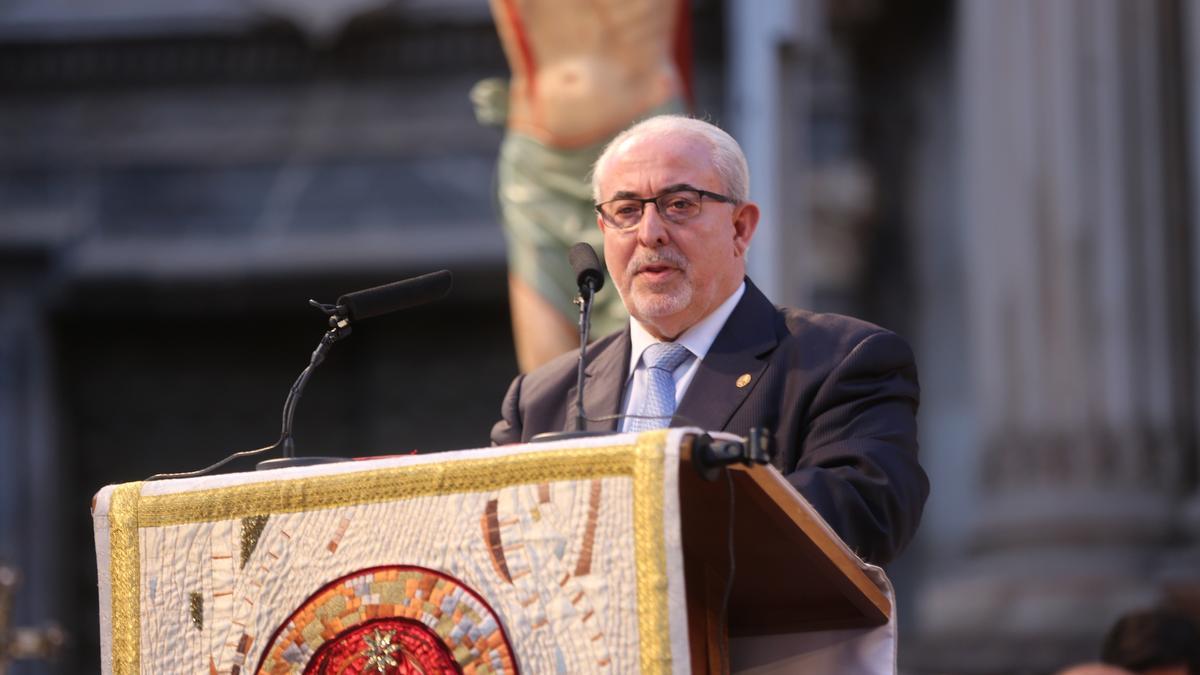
(675, 206)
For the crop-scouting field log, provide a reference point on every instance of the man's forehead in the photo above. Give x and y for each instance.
(658, 144)
(667, 161)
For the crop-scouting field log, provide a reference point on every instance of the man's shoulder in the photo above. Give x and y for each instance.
(804, 335)
(806, 322)
(834, 335)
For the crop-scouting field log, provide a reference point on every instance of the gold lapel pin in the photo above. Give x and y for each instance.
(743, 380)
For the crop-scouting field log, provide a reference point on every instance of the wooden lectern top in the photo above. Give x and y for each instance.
(791, 572)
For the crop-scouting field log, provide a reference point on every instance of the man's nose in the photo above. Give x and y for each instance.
(652, 229)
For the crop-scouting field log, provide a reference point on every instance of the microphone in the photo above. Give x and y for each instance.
(398, 295)
(350, 307)
(586, 265)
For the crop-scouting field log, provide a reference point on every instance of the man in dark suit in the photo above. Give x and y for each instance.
(838, 394)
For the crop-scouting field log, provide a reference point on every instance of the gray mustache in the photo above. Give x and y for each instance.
(662, 256)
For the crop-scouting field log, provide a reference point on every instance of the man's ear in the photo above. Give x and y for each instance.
(745, 221)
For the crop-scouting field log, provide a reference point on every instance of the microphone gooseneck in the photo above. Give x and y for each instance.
(586, 264)
(355, 306)
(589, 277)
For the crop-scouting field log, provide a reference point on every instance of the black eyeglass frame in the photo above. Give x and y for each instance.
(716, 197)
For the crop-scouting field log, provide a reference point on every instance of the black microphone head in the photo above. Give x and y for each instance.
(586, 265)
(396, 296)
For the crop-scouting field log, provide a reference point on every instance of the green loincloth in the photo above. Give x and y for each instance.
(545, 199)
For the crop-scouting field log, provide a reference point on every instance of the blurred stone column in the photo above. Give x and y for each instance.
(31, 473)
(1182, 575)
(1074, 214)
(771, 45)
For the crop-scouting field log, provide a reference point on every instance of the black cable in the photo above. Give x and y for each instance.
(213, 467)
(729, 580)
(621, 416)
(335, 332)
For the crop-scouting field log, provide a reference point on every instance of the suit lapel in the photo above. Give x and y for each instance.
(748, 335)
(604, 384)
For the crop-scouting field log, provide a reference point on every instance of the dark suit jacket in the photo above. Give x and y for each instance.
(840, 396)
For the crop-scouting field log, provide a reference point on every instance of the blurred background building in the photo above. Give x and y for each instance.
(1011, 185)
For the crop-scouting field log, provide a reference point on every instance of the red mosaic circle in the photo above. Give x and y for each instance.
(391, 619)
(386, 646)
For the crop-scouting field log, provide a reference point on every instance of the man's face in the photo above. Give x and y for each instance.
(671, 275)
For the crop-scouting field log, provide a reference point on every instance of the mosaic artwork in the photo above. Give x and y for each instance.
(403, 569)
(391, 620)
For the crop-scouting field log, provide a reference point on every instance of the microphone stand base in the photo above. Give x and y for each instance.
(710, 455)
(289, 462)
(567, 435)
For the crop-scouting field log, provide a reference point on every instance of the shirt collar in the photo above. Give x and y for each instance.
(698, 339)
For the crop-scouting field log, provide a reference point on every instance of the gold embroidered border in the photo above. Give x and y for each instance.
(378, 485)
(124, 572)
(651, 553)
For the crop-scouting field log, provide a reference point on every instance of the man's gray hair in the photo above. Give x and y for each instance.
(727, 157)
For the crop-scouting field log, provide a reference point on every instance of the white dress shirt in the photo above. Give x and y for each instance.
(698, 339)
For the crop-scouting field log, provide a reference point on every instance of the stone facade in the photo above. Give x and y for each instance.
(1075, 205)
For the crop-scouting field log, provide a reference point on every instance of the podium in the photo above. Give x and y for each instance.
(605, 554)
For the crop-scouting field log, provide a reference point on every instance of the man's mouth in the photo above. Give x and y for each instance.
(656, 271)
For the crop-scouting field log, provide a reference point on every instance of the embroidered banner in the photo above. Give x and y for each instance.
(560, 558)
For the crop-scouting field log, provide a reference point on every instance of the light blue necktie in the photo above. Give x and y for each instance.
(658, 403)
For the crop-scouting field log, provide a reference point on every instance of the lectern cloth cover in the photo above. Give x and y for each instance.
(563, 558)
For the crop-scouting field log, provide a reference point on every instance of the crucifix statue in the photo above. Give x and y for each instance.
(22, 643)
